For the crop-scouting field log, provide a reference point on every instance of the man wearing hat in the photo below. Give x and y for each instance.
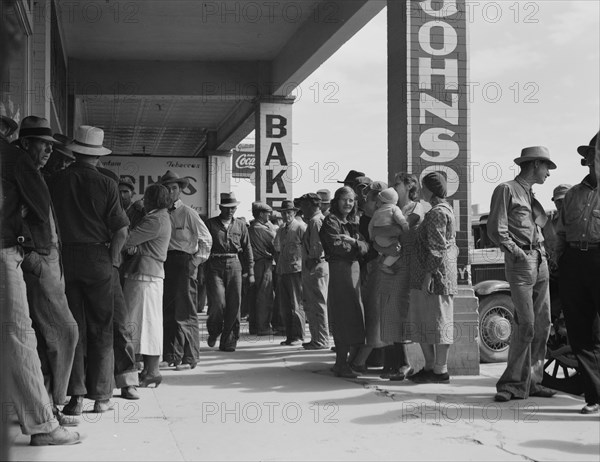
(133, 209)
(22, 376)
(260, 295)
(325, 196)
(515, 224)
(189, 246)
(578, 250)
(93, 229)
(231, 259)
(350, 179)
(61, 157)
(288, 245)
(55, 327)
(315, 274)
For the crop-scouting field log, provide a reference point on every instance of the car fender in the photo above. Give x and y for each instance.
(484, 288)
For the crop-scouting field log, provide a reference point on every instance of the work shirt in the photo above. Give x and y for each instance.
(312, 249)
(579, 220)
(288, 244)
(513, 220)
(87, 204)
(262, 237)
(188, 232)
(232, 240)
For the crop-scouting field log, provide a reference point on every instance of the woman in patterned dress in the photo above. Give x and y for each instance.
(434, 282)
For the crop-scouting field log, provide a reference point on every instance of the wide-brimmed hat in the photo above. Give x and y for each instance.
(88, 141)
(259, 206)
(228, 200)
(126, 181)
(36, 127)
(583, 150)
(351, 177)
(287, 205)
(172, 177)
(62, 141)
(325, 195)
(535, 153)
(560, 191)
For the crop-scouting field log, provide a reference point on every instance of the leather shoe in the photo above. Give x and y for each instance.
(401, 374)
(543, 392)
(74, 407)
(314, 346)
(103, 405)
(57, 437)
(228, 349)
(590, 408)
(503, 396)
(345, 372)
(130, 392)
(65, 420)
(211, 341)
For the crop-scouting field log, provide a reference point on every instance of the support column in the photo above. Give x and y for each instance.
(275, 171)
(428, 129)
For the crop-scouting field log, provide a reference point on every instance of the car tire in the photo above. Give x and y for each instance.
(496, 316)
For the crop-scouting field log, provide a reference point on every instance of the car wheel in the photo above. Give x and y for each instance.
(496, 315)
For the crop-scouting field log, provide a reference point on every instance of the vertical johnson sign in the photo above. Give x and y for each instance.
(437, 104)
(274, 155)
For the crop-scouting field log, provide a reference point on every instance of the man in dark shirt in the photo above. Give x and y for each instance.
(21, 368)
(260, 295)
(54, 325)
(94, 229)
(578, 250)
(230, 259)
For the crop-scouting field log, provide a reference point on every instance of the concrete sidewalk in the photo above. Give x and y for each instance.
(271, 402)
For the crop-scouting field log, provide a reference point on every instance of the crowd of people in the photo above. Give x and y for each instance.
(112, 285)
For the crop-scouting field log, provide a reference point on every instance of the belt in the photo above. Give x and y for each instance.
(584, 246)
(535, 246)
(84, 244)
(223, 255)
(8, 243)
(177, 252)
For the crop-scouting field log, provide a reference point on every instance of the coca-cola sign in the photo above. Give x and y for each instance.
(243, 164)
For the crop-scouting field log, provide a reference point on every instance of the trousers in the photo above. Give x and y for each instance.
(290, 299)
(580, 291)
(224, 291)
(180, 319)
(529, 286)
(260, 297)
(314, 286)
(89, 287)
(26, 395)
(124, 349)
(54, 325)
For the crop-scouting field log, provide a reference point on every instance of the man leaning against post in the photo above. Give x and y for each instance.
(515, 224)
(578, 250)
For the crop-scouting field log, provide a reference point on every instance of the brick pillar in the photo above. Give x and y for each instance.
(428, 129)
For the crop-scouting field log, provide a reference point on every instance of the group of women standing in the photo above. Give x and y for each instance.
(411, 303)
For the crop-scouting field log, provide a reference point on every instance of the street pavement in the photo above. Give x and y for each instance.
(271, 402)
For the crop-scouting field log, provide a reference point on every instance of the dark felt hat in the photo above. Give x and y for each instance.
(228, 200)
(287, 205)
(583, 150)
(172, 177)
(351, 177)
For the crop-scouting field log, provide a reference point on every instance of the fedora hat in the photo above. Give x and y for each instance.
(535, 153)
(36, 127)
(228, 200)
(88, 141)
(172, 177)
(62, 141)
(325, 195)
(583, 150)
(351, 177)
(126, 181)
(287, 205)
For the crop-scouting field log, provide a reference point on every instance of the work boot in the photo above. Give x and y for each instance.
(57, 437)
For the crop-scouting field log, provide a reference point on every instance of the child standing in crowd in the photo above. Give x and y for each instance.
(387, 215)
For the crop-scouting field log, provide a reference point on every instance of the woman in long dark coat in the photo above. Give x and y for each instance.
(343, 245)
